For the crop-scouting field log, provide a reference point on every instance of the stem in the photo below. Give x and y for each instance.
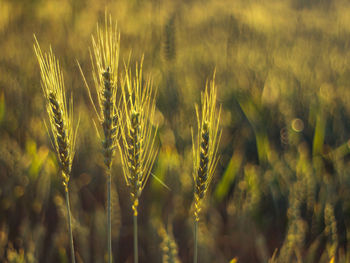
(195, 252)
(70, 226)
(109, 225)
(136, 257)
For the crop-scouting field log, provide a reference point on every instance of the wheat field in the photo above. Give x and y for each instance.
(202, 131)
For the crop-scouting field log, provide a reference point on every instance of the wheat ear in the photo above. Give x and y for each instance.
(205, 150)
(104, 59)
(168, 245)
(61, 121)
(137, 145)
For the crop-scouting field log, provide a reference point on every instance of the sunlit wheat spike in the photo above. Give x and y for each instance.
(206, 146)
(61, 120)
(110, 119)
(138, 133)
(104, 57)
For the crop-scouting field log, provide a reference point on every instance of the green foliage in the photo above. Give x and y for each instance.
(229, 176)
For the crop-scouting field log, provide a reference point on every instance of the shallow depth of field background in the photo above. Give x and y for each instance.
(283, 180)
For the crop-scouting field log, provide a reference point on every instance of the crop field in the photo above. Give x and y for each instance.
(202, 131)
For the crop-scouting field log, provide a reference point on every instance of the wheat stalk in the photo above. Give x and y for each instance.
(137, 145)
(104, 59)
(61, 120)
(205, 150)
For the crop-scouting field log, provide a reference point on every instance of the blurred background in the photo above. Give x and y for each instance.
(281, 191)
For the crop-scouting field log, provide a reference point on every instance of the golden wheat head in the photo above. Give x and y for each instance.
(137, 147)
(60, 114)
(206, 146)
(104, 59)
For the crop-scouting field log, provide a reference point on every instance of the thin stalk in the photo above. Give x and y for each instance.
(70, 227)
(136, 256)
(109, 225)
(195, 252)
